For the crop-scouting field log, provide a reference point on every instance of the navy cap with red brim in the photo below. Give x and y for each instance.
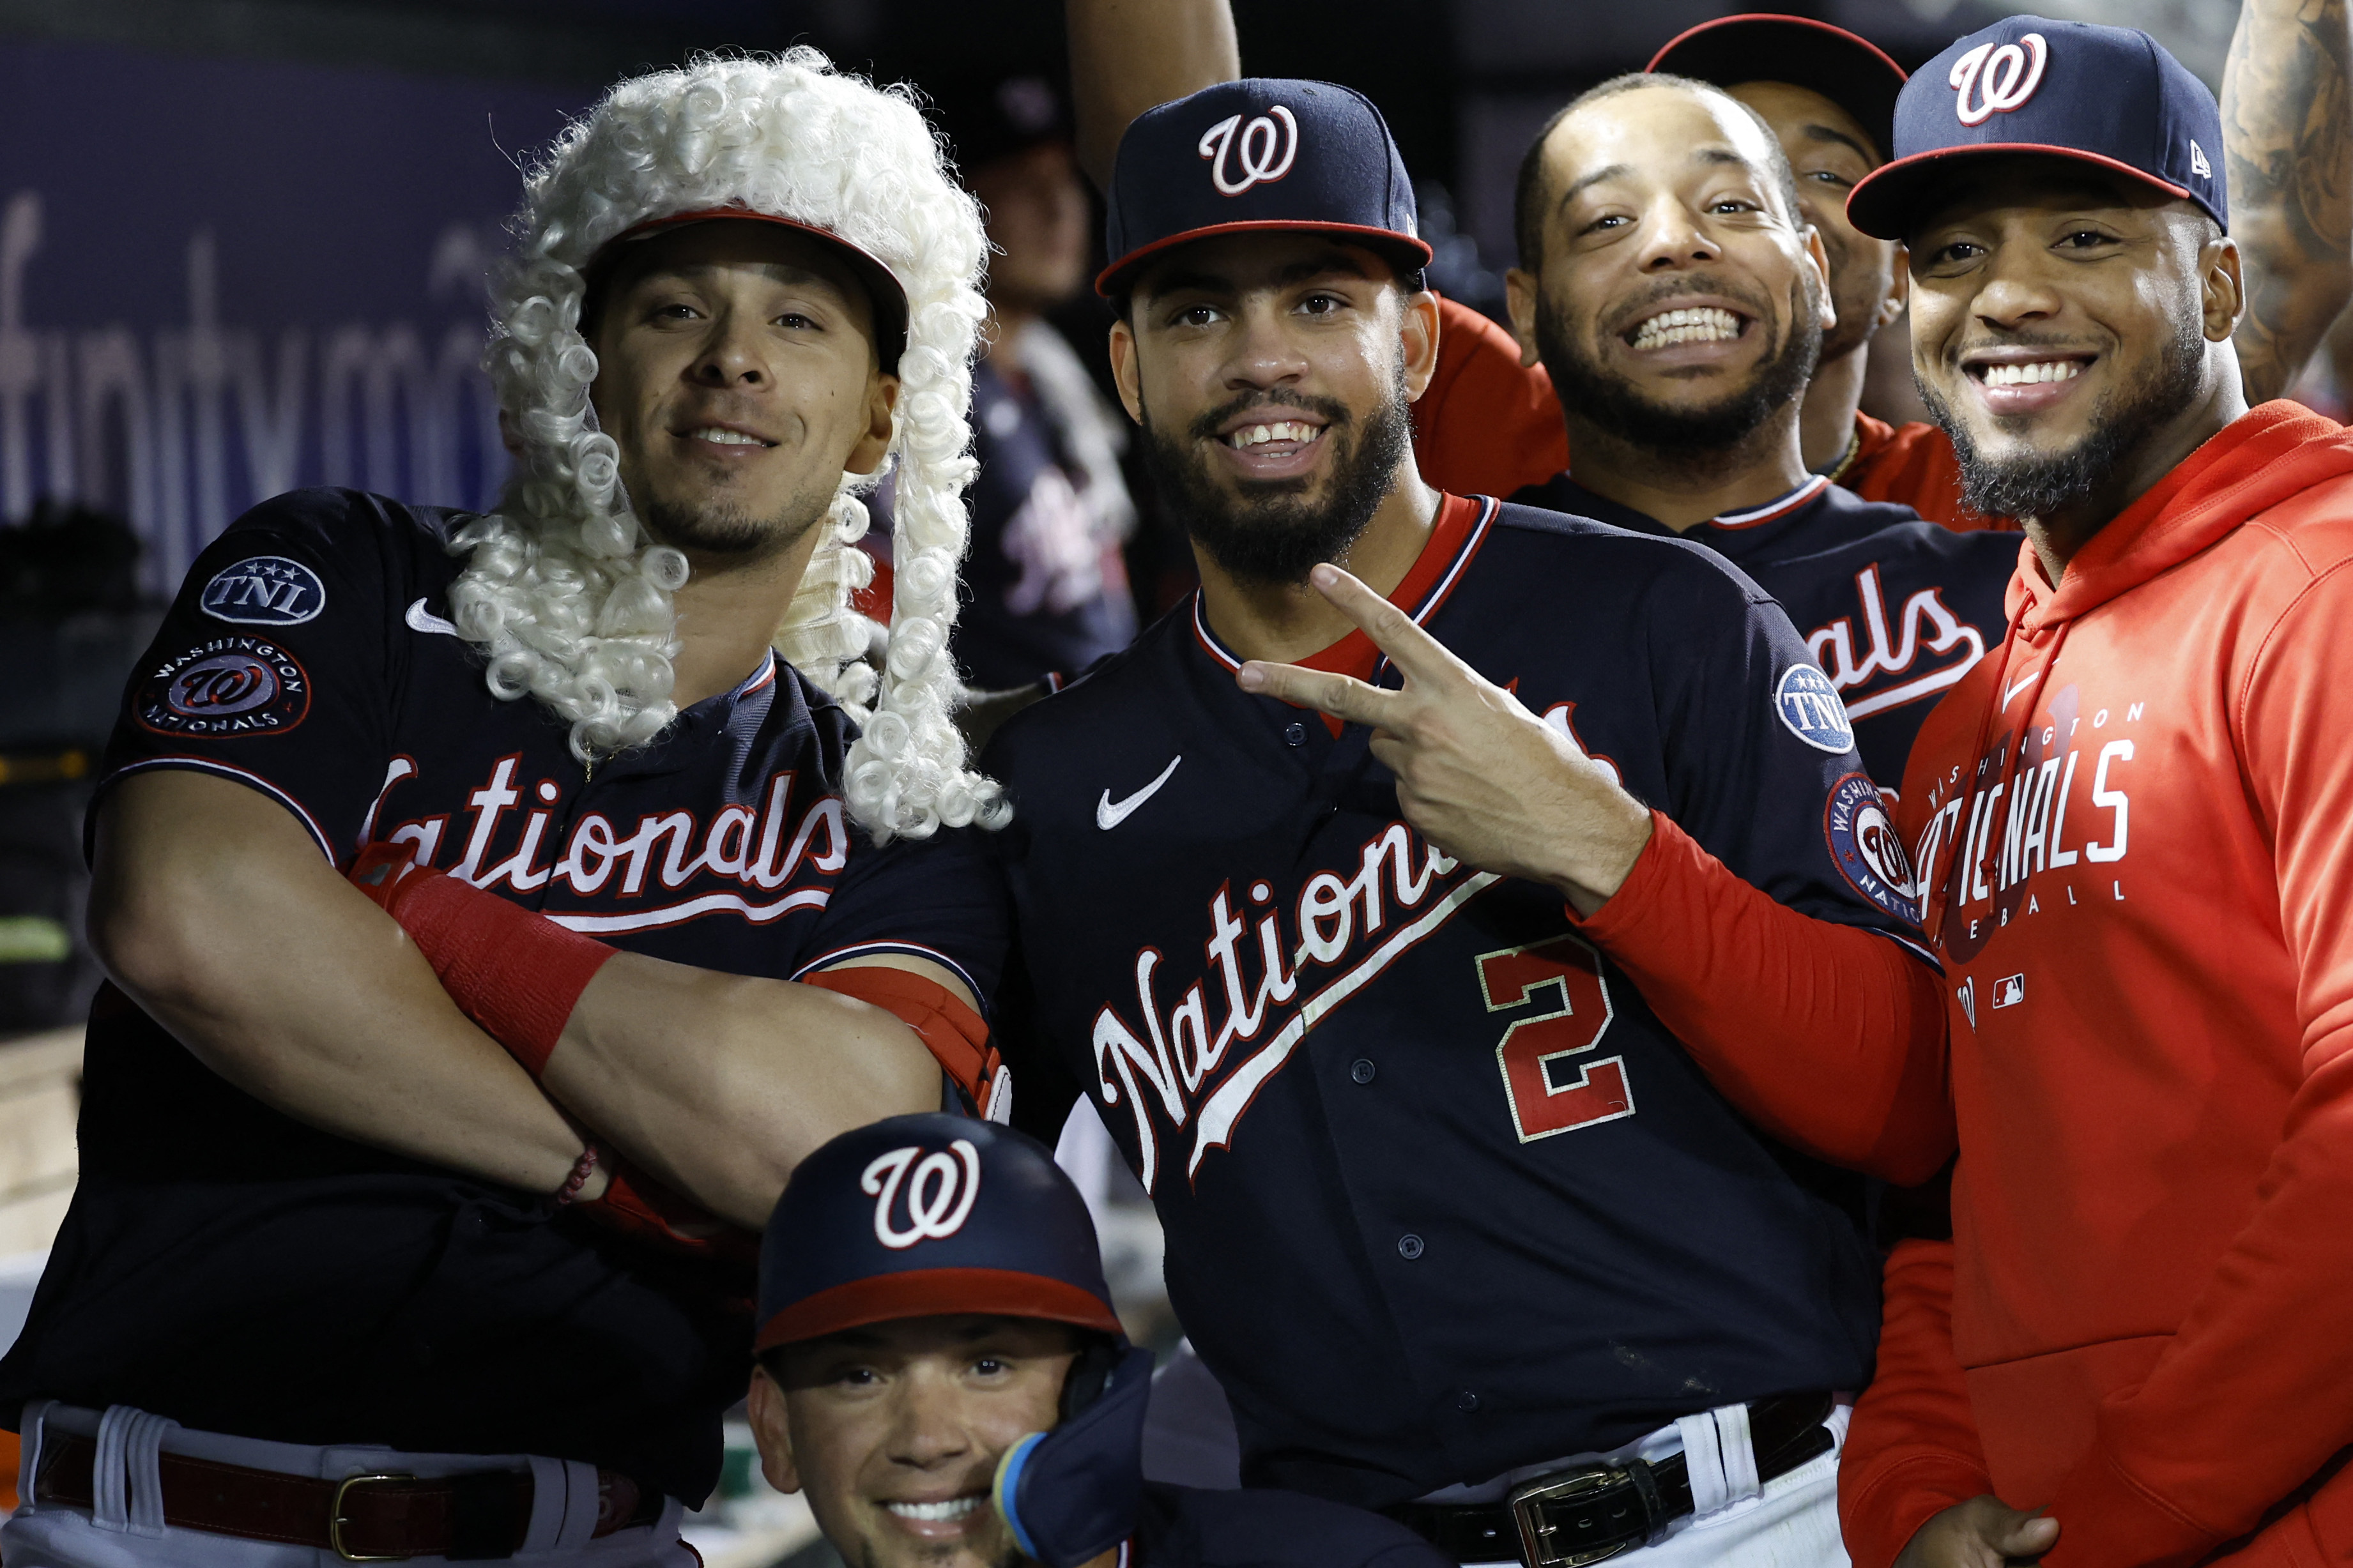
(2111, 97)
(928, 1215)
(1261, 155)
(1851, 71)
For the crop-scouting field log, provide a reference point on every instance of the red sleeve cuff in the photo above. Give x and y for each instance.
(1625, 921)
(1880, 1513)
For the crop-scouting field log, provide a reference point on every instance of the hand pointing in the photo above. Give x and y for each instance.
(1477, 773)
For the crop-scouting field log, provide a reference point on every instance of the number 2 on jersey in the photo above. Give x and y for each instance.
(1548, 1093)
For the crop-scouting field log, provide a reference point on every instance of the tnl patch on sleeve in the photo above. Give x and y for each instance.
(1868, 850)
(1811, 706)
(264, 591)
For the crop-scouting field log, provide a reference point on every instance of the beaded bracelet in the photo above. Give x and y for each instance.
(581, 1171)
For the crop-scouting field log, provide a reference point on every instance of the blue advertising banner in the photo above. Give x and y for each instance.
(221, 279)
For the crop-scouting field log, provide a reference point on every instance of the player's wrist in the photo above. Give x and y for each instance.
(1598, 860)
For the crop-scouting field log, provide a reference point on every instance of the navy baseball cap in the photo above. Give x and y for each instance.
(1264, 152)
(1851, 71)
(2109, 96)
(926, 1215)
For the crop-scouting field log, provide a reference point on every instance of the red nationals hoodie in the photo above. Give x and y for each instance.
(2135, 826)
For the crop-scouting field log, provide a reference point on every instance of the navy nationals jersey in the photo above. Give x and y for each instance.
(1442, 1196)
(1187, 1527)
(1046, 587)
(1895, 610)
(239, 1271)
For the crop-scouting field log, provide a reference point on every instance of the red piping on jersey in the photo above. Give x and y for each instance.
(1773, 511)
(759, 677)
(207, 765)
(869, 949)
(1459, 529)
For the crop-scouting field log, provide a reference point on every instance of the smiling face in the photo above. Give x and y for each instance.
(1678, 306)
(1274, 375)
(736, 371)
(1828, 151)
(2063, 319)
(894, 1431)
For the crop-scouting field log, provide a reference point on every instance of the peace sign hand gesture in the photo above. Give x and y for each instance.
(1478, 775)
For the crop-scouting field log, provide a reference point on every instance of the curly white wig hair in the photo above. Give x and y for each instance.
(565, 590)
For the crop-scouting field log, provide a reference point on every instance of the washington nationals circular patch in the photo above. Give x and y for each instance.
(230, 686)
(1868, 850)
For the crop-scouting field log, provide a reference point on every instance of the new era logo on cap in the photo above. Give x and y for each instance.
(2106, 96)
(1262, 154)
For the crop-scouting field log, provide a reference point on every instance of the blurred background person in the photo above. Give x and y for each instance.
(1046, 583)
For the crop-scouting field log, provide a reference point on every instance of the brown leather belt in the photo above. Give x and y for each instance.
(378, 1517)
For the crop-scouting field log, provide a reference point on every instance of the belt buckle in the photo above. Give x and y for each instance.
(335, 1520)
(1529, 1500)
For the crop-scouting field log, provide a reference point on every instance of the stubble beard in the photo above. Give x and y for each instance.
(1618, 407)
(2038, 484)
(1277, 530)
(731, 532)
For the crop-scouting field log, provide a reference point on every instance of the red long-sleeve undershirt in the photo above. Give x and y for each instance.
(1830, 1037)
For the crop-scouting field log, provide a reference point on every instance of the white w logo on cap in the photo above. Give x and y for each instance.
(2007, 76)
(1266, 151)
(939, 1196)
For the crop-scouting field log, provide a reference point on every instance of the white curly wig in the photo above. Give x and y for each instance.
(564, 589)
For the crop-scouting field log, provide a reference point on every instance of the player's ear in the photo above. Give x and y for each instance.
(1122, 364)
(1899, 288)
(765, 1406)
(881, 398)
(1419, 332)
(2222, 287)
(1520, 298)
(1820, 260)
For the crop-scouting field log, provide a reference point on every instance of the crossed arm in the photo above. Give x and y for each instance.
(2287, 121)
(214, 911)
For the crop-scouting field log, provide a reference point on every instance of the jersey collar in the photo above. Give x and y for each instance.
(1731, 533)
(1455, 535)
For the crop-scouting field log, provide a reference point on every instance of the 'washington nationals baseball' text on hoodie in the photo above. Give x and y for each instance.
(2135, 838)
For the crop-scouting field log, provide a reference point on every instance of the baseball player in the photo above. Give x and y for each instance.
(339, 1276)
(1712, 436)
(1455, 1208)
(942, 1373)
(2132, 822)
(1684, 314)
(1830, 98)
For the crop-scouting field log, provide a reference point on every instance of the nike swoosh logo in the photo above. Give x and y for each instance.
(421, 619)
(1110, 815)
(2023, 682)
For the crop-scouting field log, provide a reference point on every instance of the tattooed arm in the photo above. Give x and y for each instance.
(2288, 145)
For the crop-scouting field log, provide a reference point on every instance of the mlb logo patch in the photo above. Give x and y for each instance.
(2009, 990)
